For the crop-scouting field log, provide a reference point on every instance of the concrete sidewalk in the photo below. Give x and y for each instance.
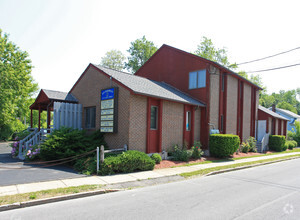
(122, 178)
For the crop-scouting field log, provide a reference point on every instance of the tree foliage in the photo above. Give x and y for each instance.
(140, 51)
(284, 99)
(206, 49)
(113, 59)
(16, 86)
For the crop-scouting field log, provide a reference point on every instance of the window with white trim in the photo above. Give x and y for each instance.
(197, 79)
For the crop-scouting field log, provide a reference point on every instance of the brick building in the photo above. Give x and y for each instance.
(174, 98)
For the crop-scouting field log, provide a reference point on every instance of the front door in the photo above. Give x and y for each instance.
(154, 125)
(188, 126)
(261, 129)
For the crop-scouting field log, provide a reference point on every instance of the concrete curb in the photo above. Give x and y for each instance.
(54, 199)
(248, 166)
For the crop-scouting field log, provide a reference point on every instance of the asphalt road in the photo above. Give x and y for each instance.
(34, 174)
(265, 192)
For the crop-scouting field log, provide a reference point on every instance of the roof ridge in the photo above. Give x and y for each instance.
(131, 74)
(180, 91)
(54, 90)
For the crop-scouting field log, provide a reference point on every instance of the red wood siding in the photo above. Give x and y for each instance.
(173, 67)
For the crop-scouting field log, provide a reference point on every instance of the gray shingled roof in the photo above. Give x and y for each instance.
(287, 112)
(144, 86)
(274, 114)
(57, 95)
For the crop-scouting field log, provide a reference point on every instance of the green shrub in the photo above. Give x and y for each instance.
(196, 150)
(295, 135)
(223, 145)
(277, 143)
(156, 158)
(127, 162)
(245, 147)
(181, 154)
(252, 144)
(291, 144)
(68, 142)
(7, 131)
(87, 165)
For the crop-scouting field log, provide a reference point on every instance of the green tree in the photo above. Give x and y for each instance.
(113, 59)
(16, 86)
(206, 49)
(140, 51)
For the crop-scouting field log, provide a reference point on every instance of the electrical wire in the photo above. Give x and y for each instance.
(276, 68)
(269, 56)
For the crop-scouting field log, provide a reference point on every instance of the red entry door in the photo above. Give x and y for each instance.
(188, 126)
(154, 126)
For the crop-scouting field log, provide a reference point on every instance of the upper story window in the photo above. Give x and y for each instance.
(197, 79)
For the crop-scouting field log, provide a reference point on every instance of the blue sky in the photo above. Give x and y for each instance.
(62, 37)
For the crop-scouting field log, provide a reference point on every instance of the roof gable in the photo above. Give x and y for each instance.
(45, 97)
(193, 56)
(144, 86)
(288, 113)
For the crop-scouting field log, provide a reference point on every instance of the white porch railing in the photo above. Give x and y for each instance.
(33, 138)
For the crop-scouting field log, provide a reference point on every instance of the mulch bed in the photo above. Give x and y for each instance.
(170, 163)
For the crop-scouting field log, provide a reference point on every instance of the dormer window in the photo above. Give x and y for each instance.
(197, 79)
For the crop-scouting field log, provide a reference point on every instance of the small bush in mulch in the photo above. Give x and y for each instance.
(127, 162)
(197, 152)
(181, 154)
(156, 157)
(291, 144)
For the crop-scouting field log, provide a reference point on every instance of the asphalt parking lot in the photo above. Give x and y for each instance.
(28, 173)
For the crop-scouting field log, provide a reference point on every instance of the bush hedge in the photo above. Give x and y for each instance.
(127, 162)
(277, 143)
(223, 145)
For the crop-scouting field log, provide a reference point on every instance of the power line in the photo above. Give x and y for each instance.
(276, 68)
(269, 56)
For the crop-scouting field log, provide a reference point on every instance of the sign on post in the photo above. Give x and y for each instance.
(109, 110)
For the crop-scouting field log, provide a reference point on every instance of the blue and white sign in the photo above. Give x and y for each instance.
(109, 110)
(108, 94)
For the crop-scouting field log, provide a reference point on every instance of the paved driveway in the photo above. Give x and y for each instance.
(34, 174)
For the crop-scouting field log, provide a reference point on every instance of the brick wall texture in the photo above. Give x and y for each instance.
(88, 90)
(232, 86)
(172, 124)
(214, 99)
(138, 123)
(246, 112)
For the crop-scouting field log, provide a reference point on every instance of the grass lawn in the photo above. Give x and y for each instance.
(212, 169)
(240, 158)
(10, 199)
